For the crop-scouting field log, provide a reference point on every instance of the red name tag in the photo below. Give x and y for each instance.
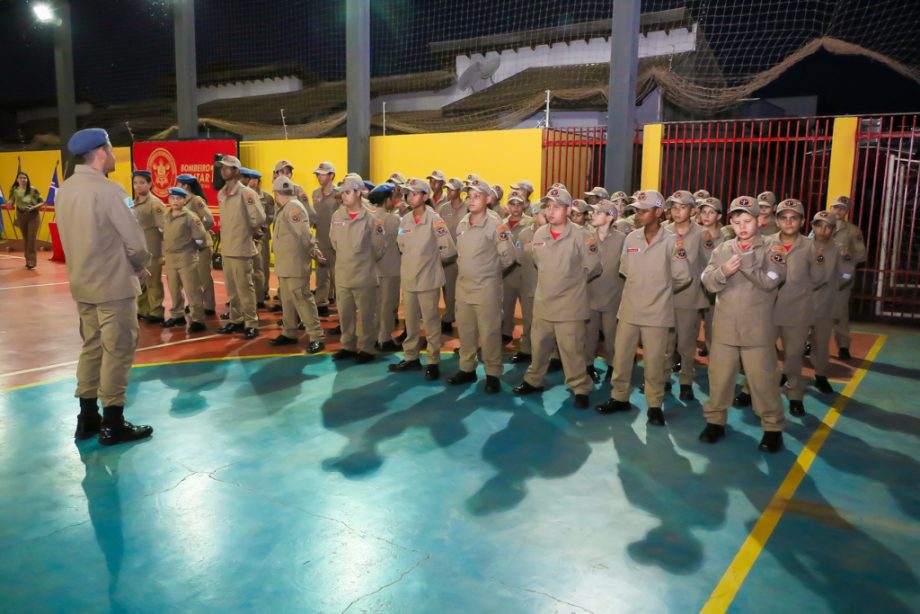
(538, 243)
(632, 250)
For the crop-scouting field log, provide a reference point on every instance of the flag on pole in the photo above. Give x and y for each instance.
(2, 202)
(52, 191)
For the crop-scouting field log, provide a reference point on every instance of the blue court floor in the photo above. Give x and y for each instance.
(295, 484)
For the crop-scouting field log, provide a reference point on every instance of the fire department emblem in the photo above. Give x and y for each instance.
(163, 171)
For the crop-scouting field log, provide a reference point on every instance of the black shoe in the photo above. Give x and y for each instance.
(323, 311)
(844, 354)
(260, 305)
(506, 339)
(188, 310)
(225, 315)
(771, 442)
(123, 433)
(582, 401)
(388, 346)
(783, 380)
(807, 350)
(608, 374)
(796, 408)
(555, 364)
(173, 322)
(447, 327)
(457, 351)
(88, 421)
(432, 372)
(154, 320)
(406, 365)
(493, 386)
(712, 433)
(401, 338)
(525, 388)
(363, 357)
(655, 416)
(315, 347)
(336, 331)
(668, 386)
(282, 340)
(594, 375)
(520, 358)
(676, 366)
(823, 385)
(686, 393)
(612, 406)
(344, 354)
(275, 309)
(742, 400)
(704, 353)
(230, 328)
(197, 327)
(301, 326)
(462, 377)
(209, 312)
(250, 333)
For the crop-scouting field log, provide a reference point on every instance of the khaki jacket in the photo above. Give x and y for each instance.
(512, 278)
(794, 300)
(836, 274)
(527, 269)
(304, 199)
(564, 267)
(654, 272)
(694, 243)
(268, 205)
(324, 205)
(181, 238)
(292, 241)
(102, 240)
(358, 244)
(606, 291)
(452, 216)
(850, 240)
(485, 250)
(151, 215)
(744, 302)
(388, 266)
(241, 215)
(200, 208)
(424, 247)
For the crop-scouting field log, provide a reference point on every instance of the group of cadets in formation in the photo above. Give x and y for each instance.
(600, 276)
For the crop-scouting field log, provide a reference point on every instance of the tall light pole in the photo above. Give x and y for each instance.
(358, 85)
(57, 15)
(186, 69)
(621, 98)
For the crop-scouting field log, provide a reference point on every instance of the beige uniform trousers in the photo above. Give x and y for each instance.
(297, 305)
(481, 326)
(527, 319)
(450, 292)
(654, 347)
(150, 301)
(683, 338)
(357, 317)
(794, 338)
(325, 278)
(570, 337)
(760, 365)
(707, 327)
(820, 346)
(422, 306)
(185, 278)
(240, 291)
(259, 281)
(510, 298)
(266, 266)
(109, 332)
(387, 307)
(841, 318)
(600, 321)
(205, 279)
(29, 224)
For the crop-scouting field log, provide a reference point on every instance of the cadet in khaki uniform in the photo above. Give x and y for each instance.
(261, 276)
(358, 236)
(283, 167)
(485, 250)
(106, 264)
(689, 302)
(850, 241)
(197, 205)
(528, 281)
(744, 274)
(511, 283)
(451, 211)
(498, 193)
(567, 258)
(295, 250)
(424, 242)
(596, 195)
(27, 202)
(579, 212)
(183, 236)
(151, 215)
(241, 216)
(437, 180)
(654, 263)
(766, 221)
(325, 204)
(387, 268)
(836, 272)
(604, 292)
(709, 212)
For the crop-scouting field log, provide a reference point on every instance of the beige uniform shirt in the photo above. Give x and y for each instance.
(241, 215)
(654, 272)
(693, 242)
(103, 243)
(292, 241)
(181, 238)
(770, 228)
(794, 301)
(485, 250)
(268, 205)
(304, 199)
(527, 269)
(712, 238)
(200, 208)
(424, 246)
(358, 244)
(745, 301)
(513, 277)
(151, 215)
(849, 238)
(835, 273)
(606, 291)
(324, 205)
(388, 266)
(564, 266)
(452, 216)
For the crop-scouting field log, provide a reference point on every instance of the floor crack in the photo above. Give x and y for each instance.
(530, 590)
(401, 577)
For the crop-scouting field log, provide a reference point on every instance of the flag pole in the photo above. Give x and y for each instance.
(12, 192)
(41, 209)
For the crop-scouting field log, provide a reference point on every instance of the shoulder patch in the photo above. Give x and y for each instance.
(295, 216)
(779, 257)
(250, 200)
(128, 202)
(819, 258)
(196, 220)
(503, 234)
(440, 228)
(680, 252)
(378, 226)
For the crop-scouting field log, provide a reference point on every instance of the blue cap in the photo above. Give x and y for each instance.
(369, 185)
(186, 178)
(142, 173)
(86, 140)
(177, 191)
(248, 172)
(383, 188)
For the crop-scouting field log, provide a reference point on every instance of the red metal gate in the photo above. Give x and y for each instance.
(576, 157)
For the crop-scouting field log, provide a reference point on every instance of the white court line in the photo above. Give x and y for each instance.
(57, 283)
(13, 257)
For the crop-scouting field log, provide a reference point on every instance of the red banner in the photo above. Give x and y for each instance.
(168, 159)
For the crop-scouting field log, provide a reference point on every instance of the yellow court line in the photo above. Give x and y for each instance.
(724, 593)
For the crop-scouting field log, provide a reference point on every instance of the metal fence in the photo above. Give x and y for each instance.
(576, 157)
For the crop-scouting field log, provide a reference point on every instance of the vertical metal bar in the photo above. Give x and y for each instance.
(358, 85)
(722, 192)
(795, 192)
(186, 68)
(621, 95)
(63, 77)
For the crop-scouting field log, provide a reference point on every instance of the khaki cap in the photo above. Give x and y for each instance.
(436, 175)
(748, 204)
(454, 184)
(619, 195)
(825, 217)
(498, 190)
(711, 201)
(648, 199)
(770, 197)
(479, 185)
(559, 195)
(283, 183)
(418, 185)
(231, 161)
(516, 196)
(580, 205)
(682, 197)
(598, 191)
(765, 203)
(352, 181)
(523, 184)
(791, 204)
(701, 194)
(324, 168)
(606, 206)
(281, 164)
(470, 178)
(841, 201)
(397, 178)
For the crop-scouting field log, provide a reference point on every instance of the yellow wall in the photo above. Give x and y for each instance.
(499, 156)
(843, 157)
(303, 154)
(651, 157)
(40, 167)
(123, 169)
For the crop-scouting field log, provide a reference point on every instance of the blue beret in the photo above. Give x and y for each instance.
(369, 185)
(177, 191)
(186, 178)
(86, 140)
(248, 172)
(142, 173)
(383, 188)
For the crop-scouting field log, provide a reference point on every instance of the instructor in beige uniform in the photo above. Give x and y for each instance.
(106, 264)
